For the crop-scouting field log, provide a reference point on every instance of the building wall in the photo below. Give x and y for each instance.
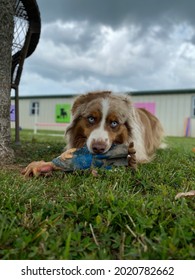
(172, 110)
(46, 118)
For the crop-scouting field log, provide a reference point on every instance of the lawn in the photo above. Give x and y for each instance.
(116, 215)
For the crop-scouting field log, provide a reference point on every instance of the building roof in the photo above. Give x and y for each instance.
(163, 92)
(52, 96)
(134, 93)
(158, 92)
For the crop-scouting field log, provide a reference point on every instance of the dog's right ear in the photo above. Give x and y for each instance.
(74, 134)
(78, 108)
(78, 104)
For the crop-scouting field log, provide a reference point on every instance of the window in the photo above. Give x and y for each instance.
(193, 106)
(34, 108)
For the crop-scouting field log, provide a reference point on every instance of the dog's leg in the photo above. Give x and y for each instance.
(132, 157)
(37, 168)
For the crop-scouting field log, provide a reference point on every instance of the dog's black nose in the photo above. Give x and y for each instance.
(98, 147)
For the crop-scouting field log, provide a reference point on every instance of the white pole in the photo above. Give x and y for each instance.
(36, 118)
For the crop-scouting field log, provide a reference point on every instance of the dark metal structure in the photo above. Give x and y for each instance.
(27, 28)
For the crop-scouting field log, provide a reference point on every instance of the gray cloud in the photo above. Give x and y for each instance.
(72, 34)
(115, 12)
(118, 45)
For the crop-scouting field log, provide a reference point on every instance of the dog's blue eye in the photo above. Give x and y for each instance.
(114, 124)
(91, 120)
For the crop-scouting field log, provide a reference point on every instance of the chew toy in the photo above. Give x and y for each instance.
(81, 159)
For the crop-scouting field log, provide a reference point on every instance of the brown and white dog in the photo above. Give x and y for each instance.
(100, 119)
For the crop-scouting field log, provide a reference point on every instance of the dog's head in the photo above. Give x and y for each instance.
(100, 119)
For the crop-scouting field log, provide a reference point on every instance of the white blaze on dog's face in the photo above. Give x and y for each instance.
(106, 128)
(99, 120)
(98, 140)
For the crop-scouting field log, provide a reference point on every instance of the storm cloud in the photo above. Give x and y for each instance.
(120, 45)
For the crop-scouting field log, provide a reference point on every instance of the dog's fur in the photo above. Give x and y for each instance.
(100, 119)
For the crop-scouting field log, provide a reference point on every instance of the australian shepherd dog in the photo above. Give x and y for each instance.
(101, 119)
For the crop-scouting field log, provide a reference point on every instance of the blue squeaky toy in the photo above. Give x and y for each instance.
(81, 159)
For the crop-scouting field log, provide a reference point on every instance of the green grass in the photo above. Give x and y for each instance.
(117, 215)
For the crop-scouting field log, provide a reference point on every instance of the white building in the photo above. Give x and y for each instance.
(174, 108)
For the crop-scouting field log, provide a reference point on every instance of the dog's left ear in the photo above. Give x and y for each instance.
(127, 100)
(129, 112)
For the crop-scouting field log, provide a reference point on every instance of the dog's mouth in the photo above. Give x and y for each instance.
(99, 147)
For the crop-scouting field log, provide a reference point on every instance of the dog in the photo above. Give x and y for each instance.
(101, 119)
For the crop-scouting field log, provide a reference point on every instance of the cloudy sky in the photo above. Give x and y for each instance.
(120, 45)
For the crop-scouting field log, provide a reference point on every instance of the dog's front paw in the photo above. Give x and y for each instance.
(132, 156)
(37, 168)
